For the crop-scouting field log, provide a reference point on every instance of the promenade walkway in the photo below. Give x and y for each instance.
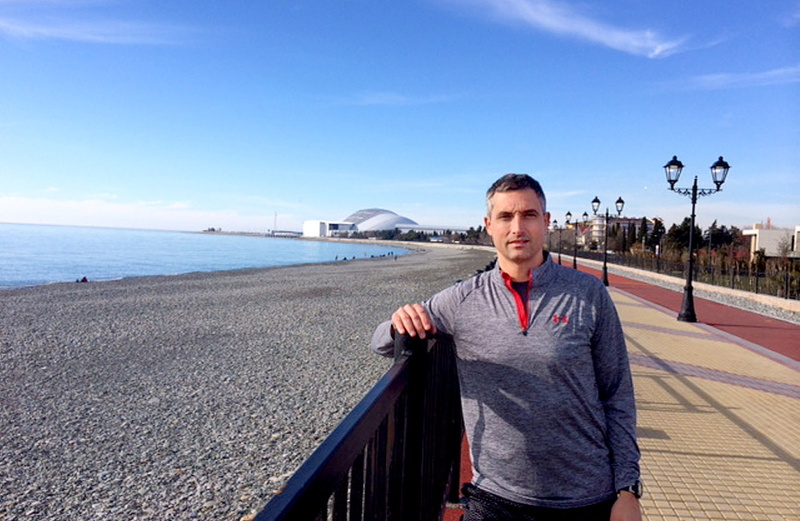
(719, 408)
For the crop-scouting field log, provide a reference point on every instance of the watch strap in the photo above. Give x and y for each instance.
(635, 489)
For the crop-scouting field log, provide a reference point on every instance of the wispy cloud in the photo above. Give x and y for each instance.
(556, 195)
(792, 19)
(781, 76)
(566, 20)
(70, 20)
(103, 31)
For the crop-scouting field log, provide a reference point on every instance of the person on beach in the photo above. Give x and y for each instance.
(546, 386)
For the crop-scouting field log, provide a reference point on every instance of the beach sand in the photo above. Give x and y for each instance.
(193, 396)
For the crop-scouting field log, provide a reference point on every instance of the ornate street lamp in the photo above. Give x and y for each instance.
(673, 169)
(568, 216)
(585, 218)
(596, 206)
(575, 243)
(555, 225)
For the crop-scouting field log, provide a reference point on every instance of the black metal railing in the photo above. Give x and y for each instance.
(396, 456)
(779, 281)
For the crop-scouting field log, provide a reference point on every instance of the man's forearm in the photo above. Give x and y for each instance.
(382, 341)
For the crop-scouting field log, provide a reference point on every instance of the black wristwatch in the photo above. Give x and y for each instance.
(636, 489)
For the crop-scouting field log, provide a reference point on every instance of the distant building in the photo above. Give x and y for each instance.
(326, 228)
(377, 219)
(595, 229)
(368, 220)
(796, 242)
(772, 240)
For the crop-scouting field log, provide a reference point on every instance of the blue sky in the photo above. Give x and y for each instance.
(246, 115)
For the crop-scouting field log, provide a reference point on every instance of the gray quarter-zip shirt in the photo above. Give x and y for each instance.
(546, 385)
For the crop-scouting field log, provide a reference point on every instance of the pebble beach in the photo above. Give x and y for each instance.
(193, 396)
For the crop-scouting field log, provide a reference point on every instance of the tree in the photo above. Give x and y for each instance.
(631, 240)
(642, 237)
(473, 235)
(615, 235)
(389, 234)
(678, 235)
(759, 261)
(717, 236)
(654, 239)
(476, 236)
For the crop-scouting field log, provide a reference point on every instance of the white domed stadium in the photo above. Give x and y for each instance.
(367, 220)
(377, 219)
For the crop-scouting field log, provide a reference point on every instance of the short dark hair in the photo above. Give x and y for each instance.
(511, 182)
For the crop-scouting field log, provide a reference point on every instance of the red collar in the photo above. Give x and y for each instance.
(522, 306)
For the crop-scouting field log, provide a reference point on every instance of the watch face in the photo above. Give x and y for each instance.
(636, 489)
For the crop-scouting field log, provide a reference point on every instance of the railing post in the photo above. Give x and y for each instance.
(411, 489)
(786, 283)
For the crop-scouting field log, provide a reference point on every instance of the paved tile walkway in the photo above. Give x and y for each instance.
(719, 421)
(719, 408)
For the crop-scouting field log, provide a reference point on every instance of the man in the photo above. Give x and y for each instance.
(546, 387)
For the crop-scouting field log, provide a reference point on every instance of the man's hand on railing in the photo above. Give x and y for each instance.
(413, 320)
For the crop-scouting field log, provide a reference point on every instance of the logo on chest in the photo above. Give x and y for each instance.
(560, 319)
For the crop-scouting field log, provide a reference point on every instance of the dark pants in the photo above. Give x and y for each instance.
(485, 506)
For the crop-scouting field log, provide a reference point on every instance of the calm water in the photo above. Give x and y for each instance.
(31, 255)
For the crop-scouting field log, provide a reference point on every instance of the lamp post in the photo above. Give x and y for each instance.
(568, 217)
(673, 169)
(596, 206)
(575, 244)
(555, 225)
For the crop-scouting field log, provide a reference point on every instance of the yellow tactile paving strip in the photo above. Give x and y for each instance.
(719, 424)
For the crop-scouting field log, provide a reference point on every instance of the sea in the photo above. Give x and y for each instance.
(33, 255)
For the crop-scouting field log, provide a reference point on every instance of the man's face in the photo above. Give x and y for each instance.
(518, 227)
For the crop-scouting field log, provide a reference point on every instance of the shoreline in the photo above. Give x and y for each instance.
(174, 270)
(4, 289)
